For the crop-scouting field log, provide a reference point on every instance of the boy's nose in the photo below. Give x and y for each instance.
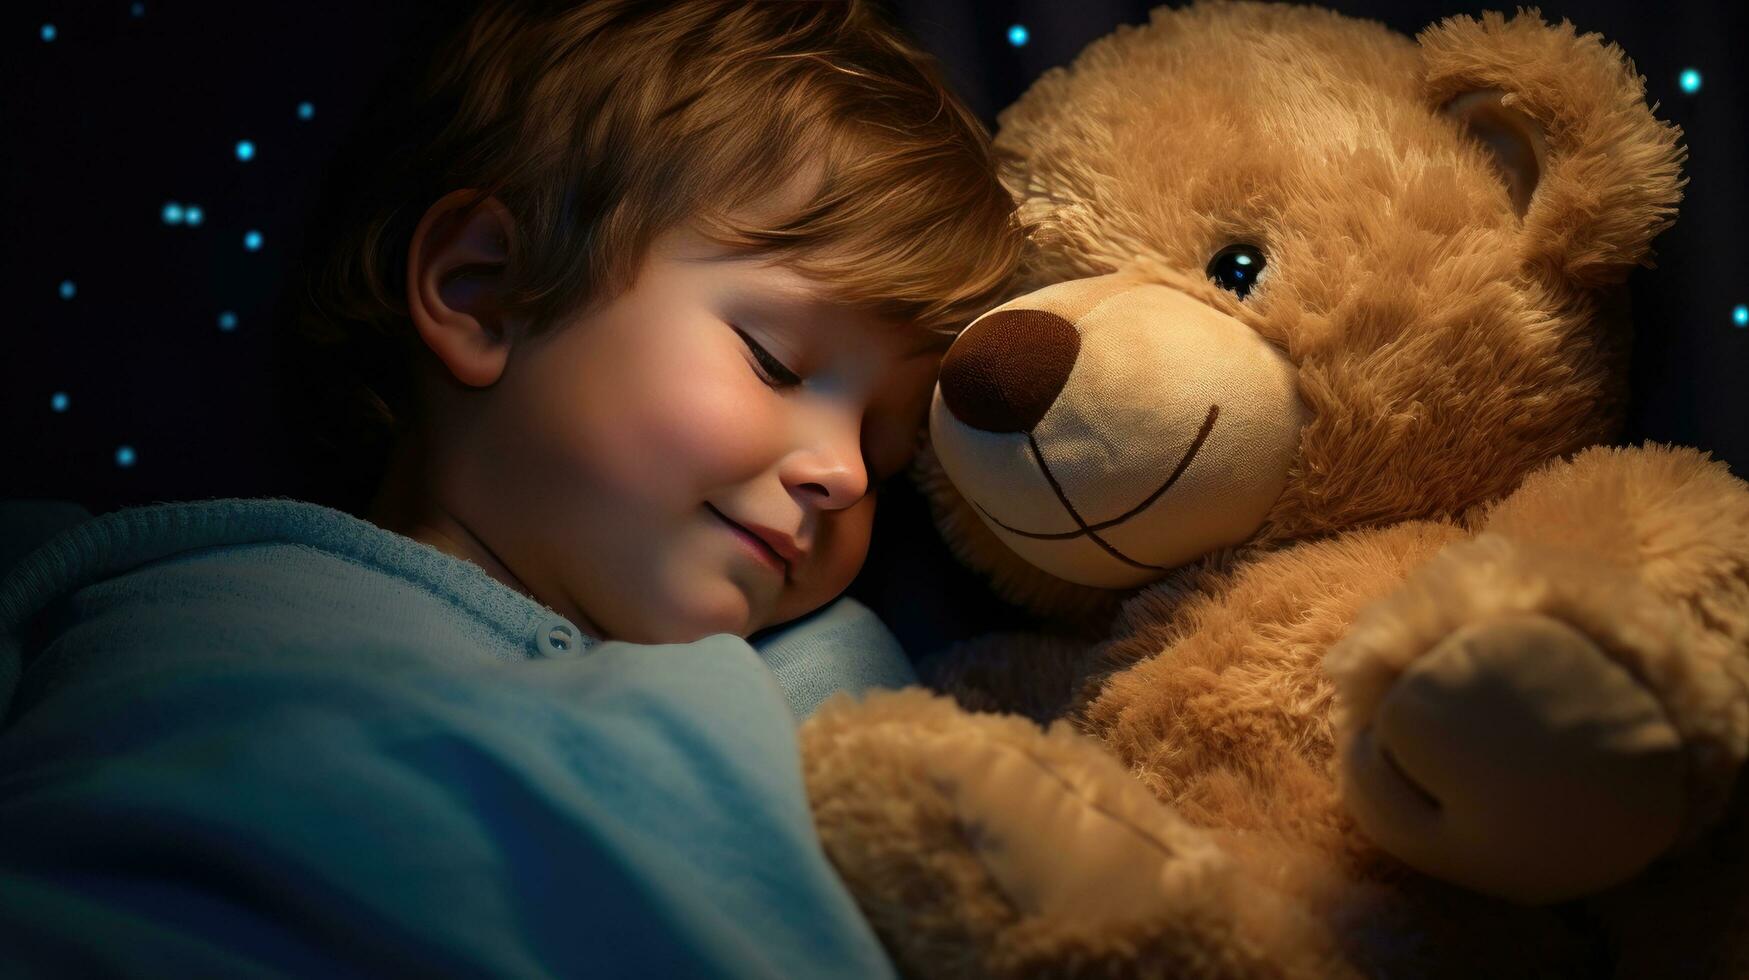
(1004, 373)
(833, 469)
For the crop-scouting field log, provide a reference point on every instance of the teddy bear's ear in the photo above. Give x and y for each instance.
(1514, 139)
(1593, 174)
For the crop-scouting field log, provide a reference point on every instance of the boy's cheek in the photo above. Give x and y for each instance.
(677, 440)
(852, 527)
(839, 552)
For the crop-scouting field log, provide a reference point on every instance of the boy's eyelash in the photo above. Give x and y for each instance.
(776, 374)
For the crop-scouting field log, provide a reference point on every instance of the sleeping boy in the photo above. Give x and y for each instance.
(641, 302)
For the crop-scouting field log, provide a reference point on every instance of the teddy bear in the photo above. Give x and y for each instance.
(1376, 657)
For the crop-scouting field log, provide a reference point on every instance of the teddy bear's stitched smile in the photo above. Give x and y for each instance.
(1090, 530)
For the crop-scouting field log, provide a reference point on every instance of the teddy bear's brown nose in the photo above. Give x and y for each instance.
(1005, 371)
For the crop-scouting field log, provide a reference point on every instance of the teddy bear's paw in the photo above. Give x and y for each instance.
(980, 845)
(1107, 881)
(1069, 837)
(1517, 758)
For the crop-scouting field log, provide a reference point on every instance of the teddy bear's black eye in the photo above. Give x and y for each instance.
(1237, 267)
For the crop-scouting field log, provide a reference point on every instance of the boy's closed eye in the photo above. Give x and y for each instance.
(774, 373)
(891, 443)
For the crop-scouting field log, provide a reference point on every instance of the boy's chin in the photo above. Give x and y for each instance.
(706, 609)
(708, 605)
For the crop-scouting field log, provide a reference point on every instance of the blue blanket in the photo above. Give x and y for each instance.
(263, 737)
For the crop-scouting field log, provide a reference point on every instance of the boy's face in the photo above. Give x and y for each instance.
(605, 466)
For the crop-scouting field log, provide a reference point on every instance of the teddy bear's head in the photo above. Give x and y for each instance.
(1292, 272)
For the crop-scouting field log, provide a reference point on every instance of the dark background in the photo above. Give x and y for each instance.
(132, 106)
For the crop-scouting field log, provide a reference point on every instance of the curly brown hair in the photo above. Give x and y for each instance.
(602, 124)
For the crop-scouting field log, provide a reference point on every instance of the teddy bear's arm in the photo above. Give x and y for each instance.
(1676, 522)
(1542, 710)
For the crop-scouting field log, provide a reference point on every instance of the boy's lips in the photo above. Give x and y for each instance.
(780, 547)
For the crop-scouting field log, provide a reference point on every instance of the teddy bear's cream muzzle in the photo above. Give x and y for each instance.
(1110, 429)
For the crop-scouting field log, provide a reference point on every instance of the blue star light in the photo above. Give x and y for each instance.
(58, 401)
(1740, 315)
(306, 110)
(68, 289)
(1690, 80)
(1017, 35)
(124, 456)
(245, 150)
(173, 214)
(252, 240)
(48, 32)
(138, 10)
(227, 320)
(193, 214)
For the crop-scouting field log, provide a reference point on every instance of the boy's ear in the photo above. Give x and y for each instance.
(456, 265)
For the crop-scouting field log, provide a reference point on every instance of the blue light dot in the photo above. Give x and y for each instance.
(172, 213)
(1740, 315)
(68, 289)
(138, 10)
(58, 401)
(227, 320)
(1017, 35)
(252, 240)
(1690, 80)
(245, 150)
(48, 32)
(193, 214)
(306, 110)
(124, 456)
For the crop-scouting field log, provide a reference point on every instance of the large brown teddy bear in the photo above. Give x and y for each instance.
(1310, 367)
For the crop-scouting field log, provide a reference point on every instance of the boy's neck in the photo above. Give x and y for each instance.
(401, 506)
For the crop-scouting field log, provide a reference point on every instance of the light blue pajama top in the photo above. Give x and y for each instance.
(264, 737)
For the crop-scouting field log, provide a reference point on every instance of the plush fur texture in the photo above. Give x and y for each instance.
(1474, 697)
